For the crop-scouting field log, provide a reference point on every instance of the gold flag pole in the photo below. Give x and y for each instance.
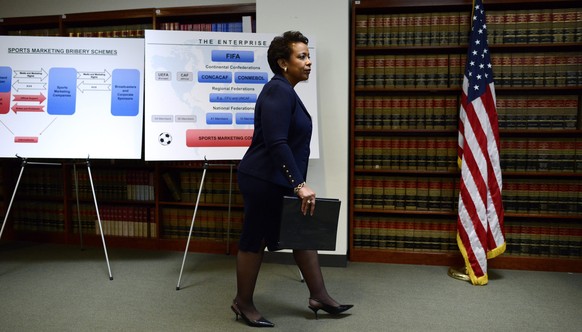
(461, 273)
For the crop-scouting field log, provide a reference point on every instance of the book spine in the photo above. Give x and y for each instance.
(377, 158)
(386, 112)
(377, 113)
(378, 71)
(359, 112)
(387, 30)
(369, 112)
(410, 194)
(361, 33)
(369, 71)
(389, 71)
(422, 193)
(360, 72)
(435, 28)
(465, 21)
(378, 194)
(371, 28)
(521, 27)
(386, 150)
(450, 29)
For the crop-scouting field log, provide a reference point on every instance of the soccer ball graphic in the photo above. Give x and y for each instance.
(165, 139)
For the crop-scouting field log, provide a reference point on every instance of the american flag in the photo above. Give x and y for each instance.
(480, 219)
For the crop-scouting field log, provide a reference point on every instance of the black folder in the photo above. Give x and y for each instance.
(317, 232)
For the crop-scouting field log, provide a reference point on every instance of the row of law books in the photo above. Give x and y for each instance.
(533, 196)
(404, 234)
(35, 32)
(543, 196)
(112, 184)
(535, 26)
(408, 29)
(124, 221)
(175, 223)
(409, 71)
(218, 187)
(543, 239)
(441, 112)
(523, 238)
(440, 154)
(560, 69)
(409, 153)
(405, 193)
(541, 154)
(538, 112)
(42, 182)
(115, 31)
(529, 26)
(39, 216)
(405, 112)
(217, 27)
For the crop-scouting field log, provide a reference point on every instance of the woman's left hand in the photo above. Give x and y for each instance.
(307, 197)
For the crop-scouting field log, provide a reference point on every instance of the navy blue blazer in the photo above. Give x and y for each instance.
(279, 151)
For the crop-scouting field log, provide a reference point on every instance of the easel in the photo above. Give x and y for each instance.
(25, 162)
(206, 166)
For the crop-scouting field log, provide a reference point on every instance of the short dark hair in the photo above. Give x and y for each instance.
(280, 48)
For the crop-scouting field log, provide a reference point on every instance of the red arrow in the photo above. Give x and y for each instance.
(20, 108)
(40, 98)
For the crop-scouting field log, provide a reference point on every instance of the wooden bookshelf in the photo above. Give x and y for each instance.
(179, 185)
(136, 207)
(121, 23)
(406, 74)
(204, 18)
(50, 25)
(126, 23)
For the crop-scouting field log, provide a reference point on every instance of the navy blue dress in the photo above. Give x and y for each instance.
(275, 162)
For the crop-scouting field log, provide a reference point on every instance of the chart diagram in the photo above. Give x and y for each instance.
(201, 92)
(71, 97)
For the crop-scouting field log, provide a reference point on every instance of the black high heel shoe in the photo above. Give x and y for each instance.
(328, 308)
(261, 322)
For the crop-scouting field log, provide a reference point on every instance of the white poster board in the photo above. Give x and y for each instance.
(66, 97)
(201, 89)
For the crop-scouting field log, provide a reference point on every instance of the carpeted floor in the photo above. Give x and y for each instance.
(47, 287)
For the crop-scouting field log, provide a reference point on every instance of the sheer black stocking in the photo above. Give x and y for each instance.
(248, 265)
(247, 271)
(308, 263)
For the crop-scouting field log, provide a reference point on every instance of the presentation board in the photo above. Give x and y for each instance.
(64, 97)
(201, 89)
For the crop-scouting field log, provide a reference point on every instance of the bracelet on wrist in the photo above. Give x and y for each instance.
(299, 186)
